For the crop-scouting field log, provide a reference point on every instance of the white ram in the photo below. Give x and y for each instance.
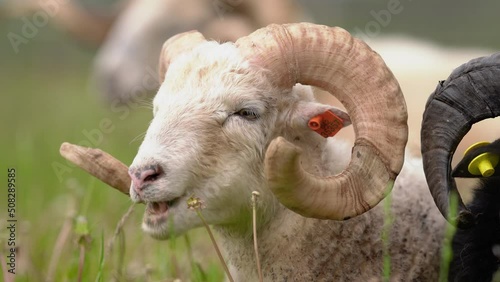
(228, 120)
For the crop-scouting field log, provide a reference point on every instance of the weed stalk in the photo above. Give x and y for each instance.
(119, 236)
(61, 240)
(82, 231)
(197, 205)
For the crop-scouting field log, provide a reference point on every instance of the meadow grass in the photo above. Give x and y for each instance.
(46, 100)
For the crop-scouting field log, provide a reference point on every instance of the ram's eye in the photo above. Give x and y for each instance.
(249, 114)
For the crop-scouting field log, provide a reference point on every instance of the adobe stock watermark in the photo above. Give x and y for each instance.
(95, 137)
(31, 26)
(225, 6)
(381, 19)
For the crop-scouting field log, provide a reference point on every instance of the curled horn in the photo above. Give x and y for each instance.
(347, 68)
(176, 45)
(471, 94)
(99, 164)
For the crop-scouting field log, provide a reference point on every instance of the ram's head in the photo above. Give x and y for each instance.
(229, 119)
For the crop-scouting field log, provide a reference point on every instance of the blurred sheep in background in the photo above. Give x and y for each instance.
(130, 34)
(126, 64)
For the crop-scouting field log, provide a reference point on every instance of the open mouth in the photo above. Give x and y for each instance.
(160, 208)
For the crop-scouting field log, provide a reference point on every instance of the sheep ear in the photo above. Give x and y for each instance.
(305, 112)
(176, 45)
(344, 116)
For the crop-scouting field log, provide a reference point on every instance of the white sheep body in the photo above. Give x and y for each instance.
(209, 151)
(294, 248)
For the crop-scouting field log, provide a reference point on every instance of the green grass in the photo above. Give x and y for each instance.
(45, 101)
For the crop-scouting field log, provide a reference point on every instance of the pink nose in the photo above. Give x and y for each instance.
(143, 176)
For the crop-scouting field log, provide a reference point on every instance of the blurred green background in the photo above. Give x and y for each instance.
(46, 99)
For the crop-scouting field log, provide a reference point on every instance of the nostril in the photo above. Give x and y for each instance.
(149, 173)
(152, 177)
(144, 175)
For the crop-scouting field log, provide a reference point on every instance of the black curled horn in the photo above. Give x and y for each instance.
(471, 94)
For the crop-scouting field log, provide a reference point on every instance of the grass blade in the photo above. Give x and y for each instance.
(101, 260)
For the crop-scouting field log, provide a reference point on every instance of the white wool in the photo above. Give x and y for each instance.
(208, 150)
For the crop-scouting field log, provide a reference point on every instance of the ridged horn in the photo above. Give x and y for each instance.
(99, 164)
(176, 45)
(469, 95)
(347, 68)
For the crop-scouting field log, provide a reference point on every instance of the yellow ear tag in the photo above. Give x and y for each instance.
(483, 164)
